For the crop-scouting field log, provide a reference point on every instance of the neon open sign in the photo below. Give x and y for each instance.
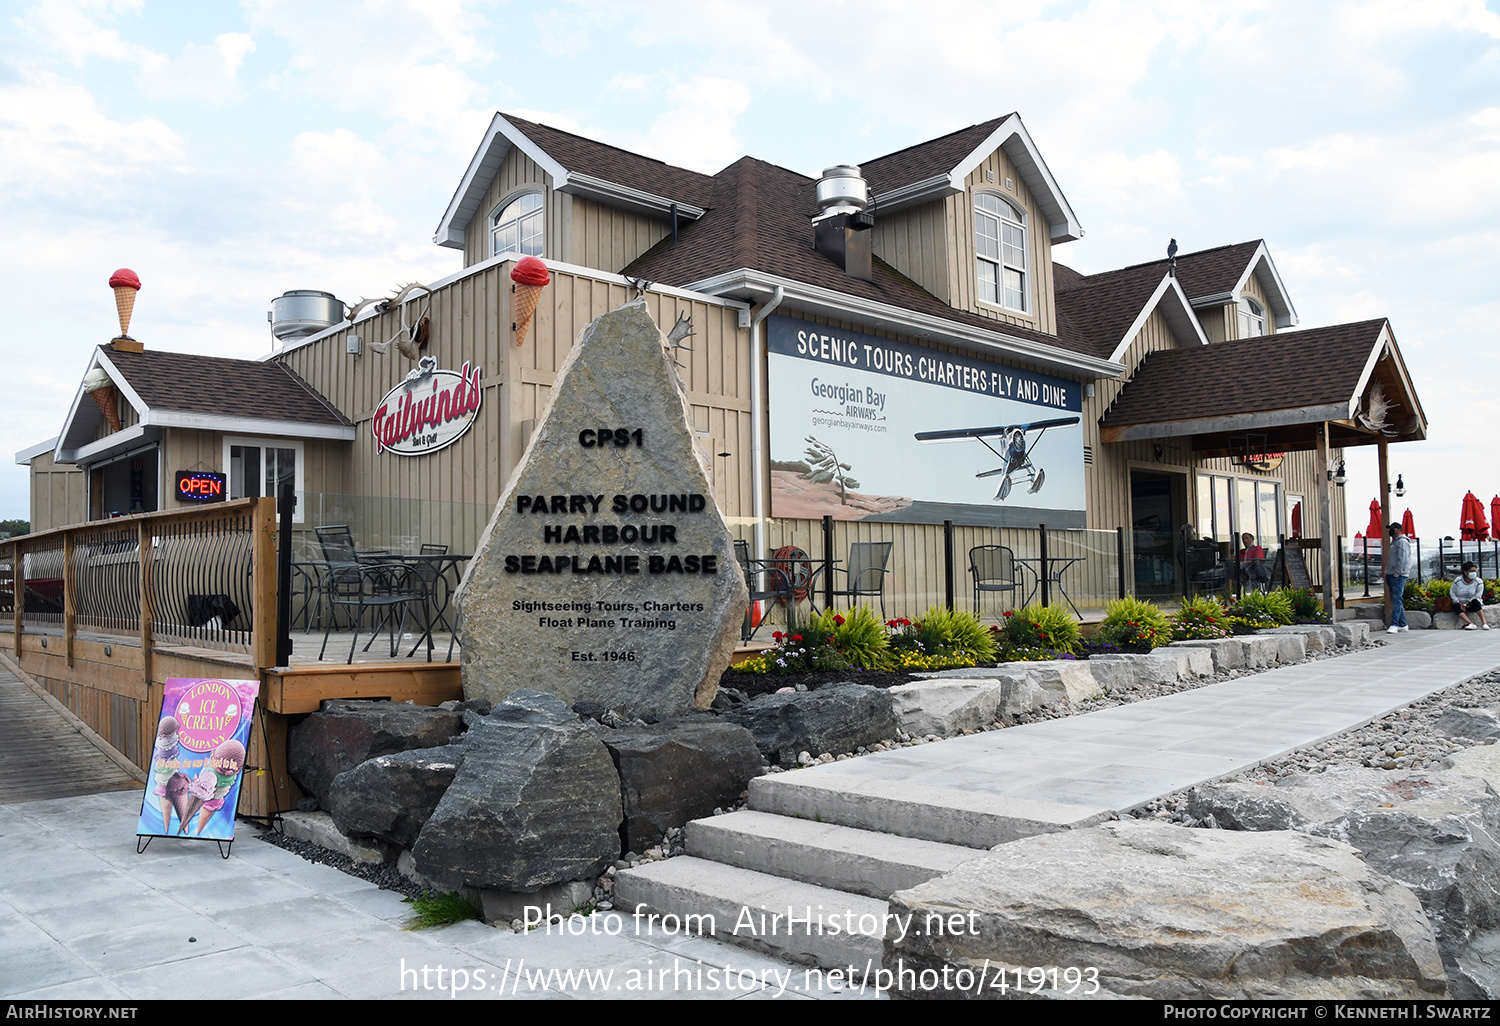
(200, 486)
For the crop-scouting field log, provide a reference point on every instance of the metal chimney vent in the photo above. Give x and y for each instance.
(841, 230)
(302, 313)
(842, 190)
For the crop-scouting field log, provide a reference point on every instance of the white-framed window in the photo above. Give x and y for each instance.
(255, 466)
(1252, 318)
(1000, 244)
(517, 226)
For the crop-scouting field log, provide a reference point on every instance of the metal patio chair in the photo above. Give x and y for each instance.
(993, 568)
(764, 580)
(389, 589)
(864, 575)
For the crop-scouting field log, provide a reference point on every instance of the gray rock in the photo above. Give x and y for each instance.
(677, 771)
(643, 627)
(1190, 662)
(1420, 619)
(535, 802)
(318, 828)
(1436, 833)
(1482, 762)
(1446, 621)
(1472, 723)
(1352, 634)
(1227, 653)
(1261, 651)
(837, 719)
(345, 733)
(946, 706)
(1291, 648)
(1369, 611)
(555, 899)
(1169, 913)
(391, 796)
(1317, 637)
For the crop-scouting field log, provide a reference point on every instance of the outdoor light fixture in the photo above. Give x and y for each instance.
(1400, 486)
(1338, 476)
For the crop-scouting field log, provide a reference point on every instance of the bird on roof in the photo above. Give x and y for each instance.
(1172, 257)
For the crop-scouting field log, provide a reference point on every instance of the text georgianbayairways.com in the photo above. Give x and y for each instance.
(693, 976)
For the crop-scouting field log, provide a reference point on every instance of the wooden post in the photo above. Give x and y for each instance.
(70, 598)
(263, 583)
(1325, 518)
(146, 597)
(1382, 448)
(18, 596)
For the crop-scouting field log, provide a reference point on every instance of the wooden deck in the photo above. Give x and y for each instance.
(43, 755)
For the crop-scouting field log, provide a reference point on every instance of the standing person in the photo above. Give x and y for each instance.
(1468, 598)
(1400, 568)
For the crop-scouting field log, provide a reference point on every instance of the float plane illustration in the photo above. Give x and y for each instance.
(1013, 450)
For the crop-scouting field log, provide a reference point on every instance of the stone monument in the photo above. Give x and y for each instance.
(607, 574)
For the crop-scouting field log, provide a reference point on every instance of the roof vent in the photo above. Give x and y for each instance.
(842, 190)
(841, 231)
(301, 313)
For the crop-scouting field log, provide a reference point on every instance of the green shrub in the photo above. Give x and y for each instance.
(1201, 617)
(1306, 607)
(1050, 627)
(1135, 625)
(1439, 589)
(1274, 606)
(857, 636)
(944, 630)
(430, 911)
(1415, 597)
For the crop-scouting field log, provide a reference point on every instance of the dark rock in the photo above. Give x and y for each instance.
(391, 796)
(535, 802)
(1477, 724)
(678, 771)
(345, 733)
(833, 719)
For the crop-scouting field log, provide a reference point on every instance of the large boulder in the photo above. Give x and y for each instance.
(535, 802)
(1168, 913)
(1117, 673)
(1437, 833)
(607, 570)
(391, 796)
(1477, 724)
(347, 732)
(946, 706)
(837, 718)
(1227, 653)
(678, 770)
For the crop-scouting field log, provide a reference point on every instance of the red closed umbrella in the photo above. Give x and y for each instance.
(1377, 528)
(1297, 520)
(1471, 522)
(1495, 512)
(1408, 525)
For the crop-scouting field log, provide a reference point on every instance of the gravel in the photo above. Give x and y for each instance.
(384, 875)
(1405, 739)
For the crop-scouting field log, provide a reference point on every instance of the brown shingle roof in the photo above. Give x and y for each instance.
(1285, 371)
(924, 160)
(1100, 308)
(759, 219)
(1207, 272)
(613, 164)
(222, 386)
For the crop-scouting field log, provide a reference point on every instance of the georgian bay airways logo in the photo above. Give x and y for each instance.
(430, 410)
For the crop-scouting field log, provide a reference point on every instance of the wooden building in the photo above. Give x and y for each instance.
(946, 250)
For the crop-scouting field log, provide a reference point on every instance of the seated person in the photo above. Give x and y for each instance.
(1250, 550)
(1468, 598)
(1253, 559)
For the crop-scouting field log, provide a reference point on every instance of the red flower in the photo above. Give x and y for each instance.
(838, 619)
(796, 637)
(777, 636)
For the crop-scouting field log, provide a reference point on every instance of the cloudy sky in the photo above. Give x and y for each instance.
(228, 152)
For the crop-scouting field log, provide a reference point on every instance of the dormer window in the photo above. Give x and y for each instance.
(1000, 243)
(1252, 318)
(517, 228)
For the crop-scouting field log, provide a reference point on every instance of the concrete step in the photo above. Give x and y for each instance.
(971, 819)
(826, 854)
(742, 904)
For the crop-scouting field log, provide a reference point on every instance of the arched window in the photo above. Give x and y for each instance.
(1252, 318)
(1000, 241)
(517, 228)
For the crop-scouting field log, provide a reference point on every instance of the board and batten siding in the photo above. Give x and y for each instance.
(447, 497)
(575, 230)
(962, 262)
(57, 497)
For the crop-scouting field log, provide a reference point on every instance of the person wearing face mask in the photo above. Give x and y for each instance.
(1467, 596)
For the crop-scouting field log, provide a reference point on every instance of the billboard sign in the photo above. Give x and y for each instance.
(870, 428)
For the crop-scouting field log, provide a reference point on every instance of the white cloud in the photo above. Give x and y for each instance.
(208, 74)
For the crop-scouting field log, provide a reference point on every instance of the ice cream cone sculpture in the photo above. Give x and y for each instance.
(98, 385)
(530, 277)
(126, 284)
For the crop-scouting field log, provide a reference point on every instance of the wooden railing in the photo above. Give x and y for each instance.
(200, 579)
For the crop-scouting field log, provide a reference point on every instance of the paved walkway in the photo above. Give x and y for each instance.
(1123, 757)
(82, 915)
(44, 756)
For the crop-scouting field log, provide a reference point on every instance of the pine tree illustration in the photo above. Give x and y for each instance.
(824, 465)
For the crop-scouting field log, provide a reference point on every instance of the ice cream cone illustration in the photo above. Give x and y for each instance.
(530, 277)
(180, 799)
(165, 764)
(224, 765)
(126, 284)
(201, 790)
